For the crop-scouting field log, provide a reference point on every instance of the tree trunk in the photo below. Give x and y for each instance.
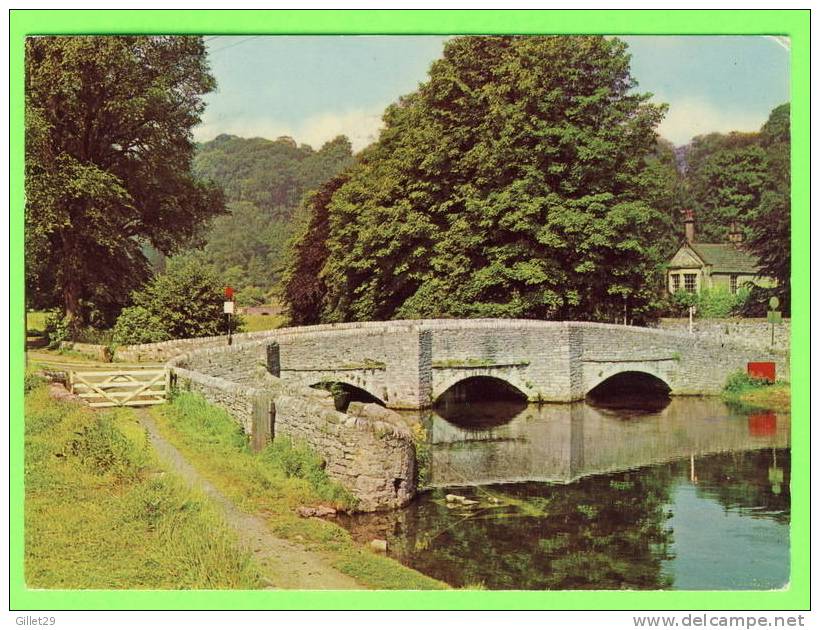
(71, 289)
(71, 302)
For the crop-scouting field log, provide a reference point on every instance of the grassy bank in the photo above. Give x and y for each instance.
(745, 391)
(101, 513)
(274, 483)
(255, 323)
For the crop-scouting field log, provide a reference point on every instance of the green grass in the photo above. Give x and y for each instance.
(255, 323)
(101, 513)
(745, 391)
(274, 483)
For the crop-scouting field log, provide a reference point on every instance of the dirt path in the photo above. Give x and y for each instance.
(284, 564)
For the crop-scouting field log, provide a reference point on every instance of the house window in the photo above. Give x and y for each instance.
(733, 284)
(675, 282)
(690, 282)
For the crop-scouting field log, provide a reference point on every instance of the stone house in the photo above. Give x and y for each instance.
(697, 266)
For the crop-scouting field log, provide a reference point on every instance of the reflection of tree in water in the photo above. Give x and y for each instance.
(606, 532)
(603, 532)
(756, 482)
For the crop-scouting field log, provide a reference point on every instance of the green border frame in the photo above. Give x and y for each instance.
(791, 23)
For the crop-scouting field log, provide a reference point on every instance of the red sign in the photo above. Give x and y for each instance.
(229, 293)
(762, 424)
(761, 369)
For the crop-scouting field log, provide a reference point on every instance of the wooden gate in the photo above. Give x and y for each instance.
(121, 388)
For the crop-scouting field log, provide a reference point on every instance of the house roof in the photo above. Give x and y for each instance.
(726, 258)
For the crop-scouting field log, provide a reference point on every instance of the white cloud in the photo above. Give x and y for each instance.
(360, 126)
(689, 118)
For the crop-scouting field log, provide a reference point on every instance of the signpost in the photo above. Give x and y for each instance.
(227, 308)
(774, 316)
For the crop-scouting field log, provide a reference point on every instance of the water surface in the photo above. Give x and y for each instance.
(687, 494)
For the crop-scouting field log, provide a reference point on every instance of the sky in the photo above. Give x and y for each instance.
(315, 88)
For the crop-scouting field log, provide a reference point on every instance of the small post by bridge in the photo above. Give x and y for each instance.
(228, 309)
(773, 315)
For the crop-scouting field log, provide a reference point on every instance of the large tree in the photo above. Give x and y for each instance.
(725, 175)
(770, 222)
(511, 184)
(108, 163)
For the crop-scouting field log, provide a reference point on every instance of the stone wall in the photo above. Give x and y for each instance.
(532, 356)
(237, 399)
(689, 364)
(374, 459)
(385, 361)
(370, 452)
(751, 332)
(238, 363)
(165, 350)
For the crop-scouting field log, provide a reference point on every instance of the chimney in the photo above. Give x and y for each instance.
(689, 225)
(735, 235)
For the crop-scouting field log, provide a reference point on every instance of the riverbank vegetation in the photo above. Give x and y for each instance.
(102, 513)
(746, 391)
(273, 483)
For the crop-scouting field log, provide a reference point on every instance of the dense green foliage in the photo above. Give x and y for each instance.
(724, 178)
(108, 165)
(745, 178)
(100, 513)
(185, 301)
(513, 183)
(264, 182)
(303, 287)
(250, 296)
(771, 220)
(709, 303)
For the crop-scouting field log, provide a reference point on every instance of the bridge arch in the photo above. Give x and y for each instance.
(346, 391)
(631, 389)
(476, 387)
(643, 374)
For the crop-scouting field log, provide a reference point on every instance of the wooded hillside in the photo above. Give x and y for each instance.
(264, 182)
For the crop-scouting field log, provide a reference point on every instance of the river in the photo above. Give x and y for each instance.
(641, 493)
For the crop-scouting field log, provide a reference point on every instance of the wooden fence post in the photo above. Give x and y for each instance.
(262, 422)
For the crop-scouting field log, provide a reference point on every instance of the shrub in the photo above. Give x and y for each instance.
(56, 329)
(709, 303)
(137, 325)
(184, 302)
(719, 302)
(738, 382)
(680, 301)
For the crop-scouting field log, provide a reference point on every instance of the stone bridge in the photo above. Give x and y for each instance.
(265, 380)
(409, 364)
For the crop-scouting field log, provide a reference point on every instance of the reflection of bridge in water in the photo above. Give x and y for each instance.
(564, 442)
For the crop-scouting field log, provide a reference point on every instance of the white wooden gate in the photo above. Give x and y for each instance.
(121, 388)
